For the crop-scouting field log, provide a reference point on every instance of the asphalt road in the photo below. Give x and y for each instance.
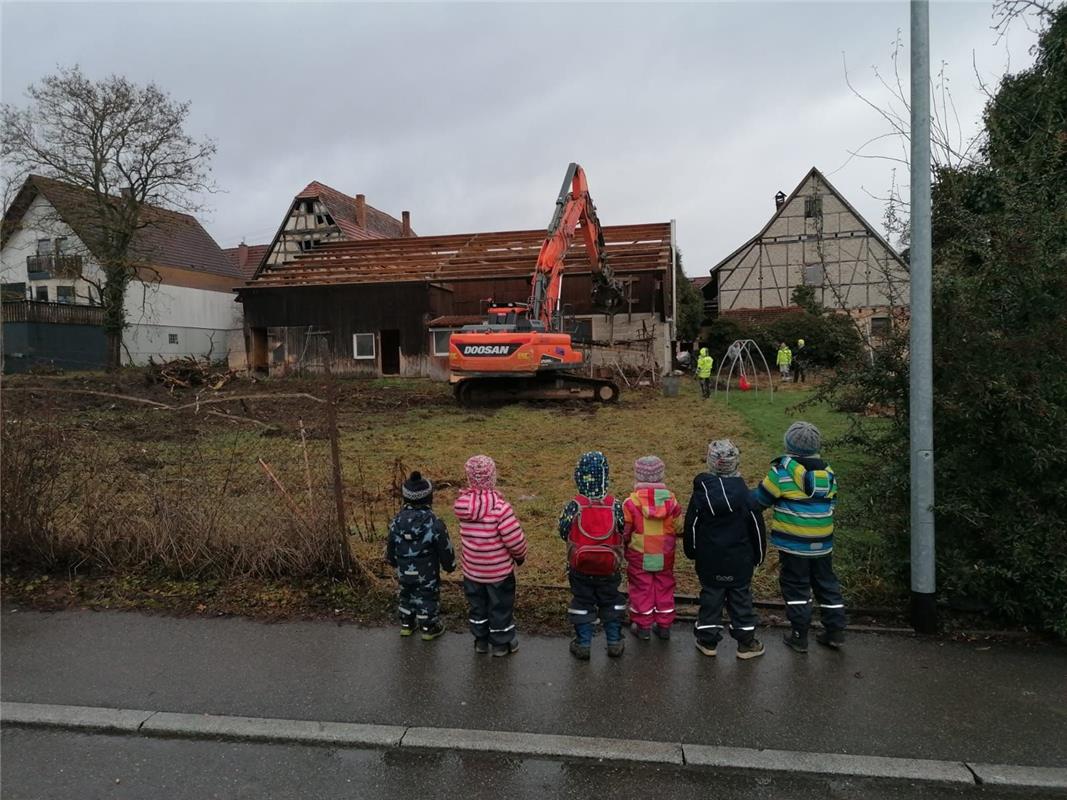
(893, 696)
(60, 765)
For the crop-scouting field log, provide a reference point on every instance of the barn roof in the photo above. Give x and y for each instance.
(459, 257)
(343, 210)
(168, 238)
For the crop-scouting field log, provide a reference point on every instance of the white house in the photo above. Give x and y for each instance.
(182, 302)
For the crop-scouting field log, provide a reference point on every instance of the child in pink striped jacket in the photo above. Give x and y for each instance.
(492, 544)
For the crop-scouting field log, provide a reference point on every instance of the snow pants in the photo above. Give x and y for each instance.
(651, 597)
(738, 602)
(592, 595)
(492, 610)
(801, 577)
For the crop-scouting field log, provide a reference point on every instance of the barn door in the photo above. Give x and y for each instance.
(390, 352)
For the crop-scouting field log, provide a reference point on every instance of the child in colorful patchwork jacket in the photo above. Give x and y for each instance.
(419, 548)
(802, 488)
(650, 514)
(493, 544)
(592, 525)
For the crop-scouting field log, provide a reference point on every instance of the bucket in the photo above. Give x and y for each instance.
(671, 385)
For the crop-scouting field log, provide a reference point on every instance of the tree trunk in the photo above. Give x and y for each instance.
(113, 299)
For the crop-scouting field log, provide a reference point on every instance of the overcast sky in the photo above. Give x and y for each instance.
(467, 115)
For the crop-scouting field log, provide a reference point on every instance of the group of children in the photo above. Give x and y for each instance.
(722, 532)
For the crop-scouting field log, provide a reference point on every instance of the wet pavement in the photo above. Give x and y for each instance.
(60, 765)
(885, 695)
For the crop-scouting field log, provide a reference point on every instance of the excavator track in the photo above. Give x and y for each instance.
(552, 386)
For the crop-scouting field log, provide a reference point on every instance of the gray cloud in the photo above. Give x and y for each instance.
(468, 114)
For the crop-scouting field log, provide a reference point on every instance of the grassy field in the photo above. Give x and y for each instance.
(389, 427)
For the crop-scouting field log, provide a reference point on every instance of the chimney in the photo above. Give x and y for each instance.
(779, 200)
(361, 210)
(242, 255)
(406, 217)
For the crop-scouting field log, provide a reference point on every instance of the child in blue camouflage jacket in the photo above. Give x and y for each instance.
(419, 548)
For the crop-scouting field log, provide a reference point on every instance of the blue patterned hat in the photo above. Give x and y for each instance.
(591, 475)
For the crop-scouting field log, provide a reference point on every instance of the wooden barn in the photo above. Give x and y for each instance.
(388, 306)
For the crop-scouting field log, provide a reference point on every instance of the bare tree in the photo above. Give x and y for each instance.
(126, 147)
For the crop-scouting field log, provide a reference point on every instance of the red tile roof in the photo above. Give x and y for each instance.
(343, 210)
(701, 282)
(249, 262)
(457, 257)
(169, 238)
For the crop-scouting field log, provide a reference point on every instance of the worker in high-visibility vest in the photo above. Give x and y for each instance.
(704, 365)
(785, 359)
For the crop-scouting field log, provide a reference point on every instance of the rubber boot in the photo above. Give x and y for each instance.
(583, 638)
(613, 632)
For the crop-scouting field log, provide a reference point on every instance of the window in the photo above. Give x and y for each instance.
(363, 345)
(64, 294)
(309, 206)
(61, 245)
(879, 327)
(813, 274)
(306, 244)
(813, 206)
(44, 247)
(13, 291)
(172, 338)
(41, 294)
(440, 342)
(582, 332)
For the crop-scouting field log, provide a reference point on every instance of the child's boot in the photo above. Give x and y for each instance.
(663, 631)
(796, 640)
(753, 648)
(481, 646)
(583, 638)
(407, 624)
(831, 638)
(641, 633)
(501, 650)
(613, 633)
(432, 630)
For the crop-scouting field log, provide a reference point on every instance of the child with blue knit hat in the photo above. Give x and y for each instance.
(802, 489)
(592, 525)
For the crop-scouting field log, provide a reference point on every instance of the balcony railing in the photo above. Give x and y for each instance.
(56, 313)
(53, 265)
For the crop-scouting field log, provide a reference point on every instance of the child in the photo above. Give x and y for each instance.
(803, 490)
(419, 548)
(650, 513)
(493, 543)
(592, 525)
(726, 538)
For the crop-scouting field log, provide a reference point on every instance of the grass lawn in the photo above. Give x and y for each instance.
(389, 427)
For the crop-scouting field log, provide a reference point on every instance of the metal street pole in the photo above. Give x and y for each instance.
(921, 417)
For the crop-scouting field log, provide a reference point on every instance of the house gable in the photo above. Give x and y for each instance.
(814, 238)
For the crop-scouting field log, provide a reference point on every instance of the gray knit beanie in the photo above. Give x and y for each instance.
(802, 439)
(649, 469)
(723, 458)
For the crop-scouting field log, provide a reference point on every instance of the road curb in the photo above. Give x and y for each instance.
(545, 745)
(832, 764)
(166, 724)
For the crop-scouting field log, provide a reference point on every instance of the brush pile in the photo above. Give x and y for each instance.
(189, 372)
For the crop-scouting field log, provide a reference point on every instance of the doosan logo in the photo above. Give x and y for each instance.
(489, 349)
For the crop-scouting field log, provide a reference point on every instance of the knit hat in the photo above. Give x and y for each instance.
(723, 458)
(649, 469)
(416, 487)
(591, 475)
(802, 439)
(481, 472)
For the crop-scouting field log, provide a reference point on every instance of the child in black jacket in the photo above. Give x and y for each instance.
(725, 535)
(419, 548)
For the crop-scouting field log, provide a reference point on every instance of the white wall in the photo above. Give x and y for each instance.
(203, 320)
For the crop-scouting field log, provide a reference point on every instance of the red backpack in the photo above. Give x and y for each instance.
(594, 547)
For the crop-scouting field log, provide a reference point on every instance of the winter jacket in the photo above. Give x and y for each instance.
(724, 531)
(803, 492)
(704, 364)
(491, 537)
(785, 357)
(650, 515)
(419, 547)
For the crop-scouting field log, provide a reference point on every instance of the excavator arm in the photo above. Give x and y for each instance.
(574, 208)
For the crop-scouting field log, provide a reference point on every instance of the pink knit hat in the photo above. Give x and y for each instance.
(649, 469)
(481, 472)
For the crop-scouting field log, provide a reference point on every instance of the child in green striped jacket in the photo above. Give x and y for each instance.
(802, 489)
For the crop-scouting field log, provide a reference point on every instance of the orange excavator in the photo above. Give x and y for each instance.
(521, 351)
